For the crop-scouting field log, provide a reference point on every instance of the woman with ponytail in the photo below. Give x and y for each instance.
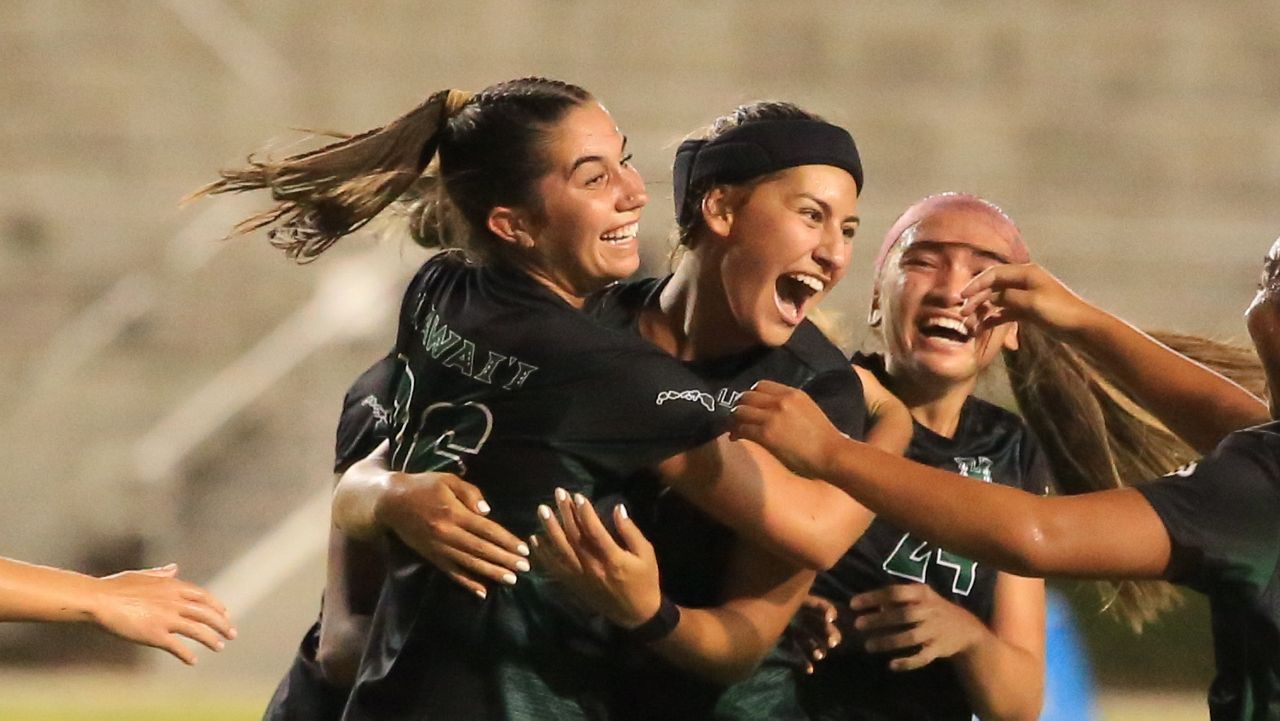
(1110, 403)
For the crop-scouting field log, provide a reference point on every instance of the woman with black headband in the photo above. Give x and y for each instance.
(766, 205)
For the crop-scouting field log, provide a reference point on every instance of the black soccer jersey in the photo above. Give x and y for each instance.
(508, 386)
(1223, 519)
(990, 444)
(693, 549)
(304, 694)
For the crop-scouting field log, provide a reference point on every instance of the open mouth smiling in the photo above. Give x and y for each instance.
(793, 290)
(946, 329)
(621, 234)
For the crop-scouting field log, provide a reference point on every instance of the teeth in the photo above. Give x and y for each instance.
(626, 232)
(817, 285)
(948, 323)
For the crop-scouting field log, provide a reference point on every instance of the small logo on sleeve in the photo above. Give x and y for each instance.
(704, 399)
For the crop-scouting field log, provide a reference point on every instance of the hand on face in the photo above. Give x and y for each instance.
(788, 424)
(1024, 292)
(912, 619)
(620, 582)
(442, 518)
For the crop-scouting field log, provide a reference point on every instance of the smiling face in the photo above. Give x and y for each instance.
(917, 297)
(583, 236)
(781, 244)
(1263, 320)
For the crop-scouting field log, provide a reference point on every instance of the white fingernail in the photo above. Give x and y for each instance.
(561, 494)
(522, 549)
(482, 594)
(483, 508)
(522, 565)
(622, 511)
(509, 579)
(544, 513)
(579, 499)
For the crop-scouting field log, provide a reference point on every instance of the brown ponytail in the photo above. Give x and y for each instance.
(1097, 437)
(453, 158)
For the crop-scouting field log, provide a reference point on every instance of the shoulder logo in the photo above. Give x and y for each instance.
(380, 414)
(704, 399)
(1186, 471)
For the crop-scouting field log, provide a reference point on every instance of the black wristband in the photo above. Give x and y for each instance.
(658, 626)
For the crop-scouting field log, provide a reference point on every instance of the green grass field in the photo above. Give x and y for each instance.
(88, 697)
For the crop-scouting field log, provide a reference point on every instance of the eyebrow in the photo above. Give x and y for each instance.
(593, 158)
(826, 208)
(938, 245)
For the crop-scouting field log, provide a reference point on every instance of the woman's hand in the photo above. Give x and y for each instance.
(913, 618)
(789, 424)
(817, 628)
(620, 582)
(154, 607)
(1006, 293)
(442, 518)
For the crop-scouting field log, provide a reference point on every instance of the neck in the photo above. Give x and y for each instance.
(556, 285)
(933, 403)
(694, 321)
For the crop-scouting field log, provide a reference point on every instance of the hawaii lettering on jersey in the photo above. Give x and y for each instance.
(440, 342)
(914, 559)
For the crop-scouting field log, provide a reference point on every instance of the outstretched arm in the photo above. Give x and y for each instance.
(151, 607)
(620, 581)
(1030, 535)
(1194, 402)
(890, 425)
(438, 515)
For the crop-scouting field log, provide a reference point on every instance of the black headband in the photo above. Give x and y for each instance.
(755, 149)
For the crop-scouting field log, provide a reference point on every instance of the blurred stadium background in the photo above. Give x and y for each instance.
(170, 397)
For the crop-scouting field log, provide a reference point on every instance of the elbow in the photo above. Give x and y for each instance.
(1025, 549)
(340, 649)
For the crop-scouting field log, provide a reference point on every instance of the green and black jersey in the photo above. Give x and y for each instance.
(990, 444)
(1223, 519)
(693, 550)
(508, 386)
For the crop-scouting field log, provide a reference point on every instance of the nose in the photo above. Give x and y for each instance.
(948, 283)
(833, 252)
(631, 190)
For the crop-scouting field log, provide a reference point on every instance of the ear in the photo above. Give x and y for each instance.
(511, 225)
(1011, 338)
(717, 210)
(874, 316)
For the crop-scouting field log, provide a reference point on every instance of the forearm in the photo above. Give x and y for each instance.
(1002, 681)
(1068, 536)
(354, 580)
(725, 644)
(808, 522)
(39, 593)
(1196, 403)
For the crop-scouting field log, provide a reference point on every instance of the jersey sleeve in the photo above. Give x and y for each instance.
(839, 394)
(1222, 514)
(634, 409)
(366, 414)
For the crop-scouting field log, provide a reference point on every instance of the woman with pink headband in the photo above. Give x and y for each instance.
(1213, 526)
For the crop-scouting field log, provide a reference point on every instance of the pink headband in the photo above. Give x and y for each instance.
(944, 201)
